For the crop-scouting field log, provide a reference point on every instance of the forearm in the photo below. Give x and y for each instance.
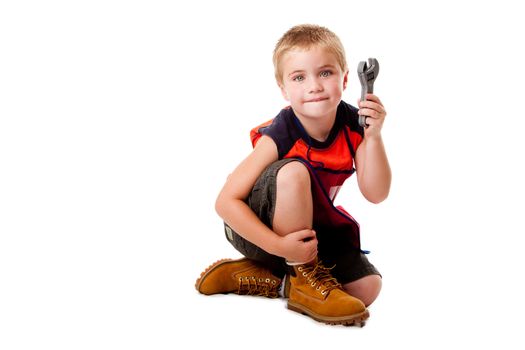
(374, 176)
(238, 215)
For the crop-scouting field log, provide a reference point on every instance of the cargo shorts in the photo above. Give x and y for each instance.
(350, 264)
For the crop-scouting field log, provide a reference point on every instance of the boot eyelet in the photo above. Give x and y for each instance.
(260, 279)
(300, 268)
(267, 280)
(318, 288)
(304, 274)
(240, 279)
(274, 282)
(324, 292)
(253, 278)
(312, 284)
(246, 278)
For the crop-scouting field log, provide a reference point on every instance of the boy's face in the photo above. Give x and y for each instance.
(313, 82)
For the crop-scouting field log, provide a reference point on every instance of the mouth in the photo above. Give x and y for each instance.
(319, 99)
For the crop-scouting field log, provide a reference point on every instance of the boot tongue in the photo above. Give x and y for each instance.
(326, 277)
(321, 274)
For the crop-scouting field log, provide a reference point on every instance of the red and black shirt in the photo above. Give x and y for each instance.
(332, 159)
(330, 163)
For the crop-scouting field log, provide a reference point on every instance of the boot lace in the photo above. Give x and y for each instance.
(251, 285)
(320, 277)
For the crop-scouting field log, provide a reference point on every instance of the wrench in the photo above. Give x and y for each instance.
(367, 75)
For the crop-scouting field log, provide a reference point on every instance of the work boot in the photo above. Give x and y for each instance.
(313, 291)
(242, 276)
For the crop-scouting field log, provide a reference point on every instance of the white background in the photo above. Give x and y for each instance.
(120, 120)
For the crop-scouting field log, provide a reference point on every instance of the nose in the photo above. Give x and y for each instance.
(315, 85)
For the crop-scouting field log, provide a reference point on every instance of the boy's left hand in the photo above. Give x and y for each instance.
(373, 109)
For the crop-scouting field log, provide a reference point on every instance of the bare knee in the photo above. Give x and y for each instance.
(293, 204)
(366, 289)
(293, 176)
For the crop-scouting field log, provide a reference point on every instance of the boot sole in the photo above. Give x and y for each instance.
(210, 269)
(357, 319)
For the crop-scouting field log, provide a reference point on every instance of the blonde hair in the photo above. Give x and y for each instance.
(304, 37)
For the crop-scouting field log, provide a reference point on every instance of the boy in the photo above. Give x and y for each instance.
(278, 203)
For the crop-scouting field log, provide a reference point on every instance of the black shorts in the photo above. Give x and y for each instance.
(350, 263)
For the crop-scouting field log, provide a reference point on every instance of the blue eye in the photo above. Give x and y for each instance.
(326, 73)
(298, 78)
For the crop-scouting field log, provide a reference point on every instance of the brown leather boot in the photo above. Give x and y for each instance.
(242, 276)
(314, 292)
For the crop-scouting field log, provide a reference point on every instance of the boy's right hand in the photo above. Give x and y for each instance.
(299, 246)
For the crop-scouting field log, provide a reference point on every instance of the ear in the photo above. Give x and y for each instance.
(284, 92)
(345, 80)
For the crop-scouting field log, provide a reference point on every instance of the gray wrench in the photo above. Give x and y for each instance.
(367, 75)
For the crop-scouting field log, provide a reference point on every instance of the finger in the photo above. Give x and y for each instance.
(372, 105)
(312, 242)
(373, 124)
(370, 122)
(314, 253)
(372, 97)
(370, 113)
(306, 235)
(311, 253)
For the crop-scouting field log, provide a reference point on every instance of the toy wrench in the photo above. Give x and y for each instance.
(367, 75)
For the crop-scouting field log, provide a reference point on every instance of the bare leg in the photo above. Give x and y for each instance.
(293, 207)
(308, 283)
(366, 289)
